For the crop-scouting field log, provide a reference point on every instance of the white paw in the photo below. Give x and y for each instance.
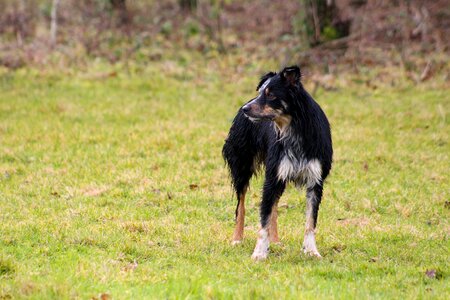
(257, 256)
(309, 245)
(311, 252)
(262, 246)
(237, 242)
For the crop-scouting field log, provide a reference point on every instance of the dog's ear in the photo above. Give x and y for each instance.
(291, 74)
(264, 78)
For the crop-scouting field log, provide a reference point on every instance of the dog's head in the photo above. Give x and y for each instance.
(274, 97)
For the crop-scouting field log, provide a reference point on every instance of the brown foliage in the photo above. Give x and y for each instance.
(379, 31)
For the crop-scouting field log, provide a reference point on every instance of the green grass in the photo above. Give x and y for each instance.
(115, 184)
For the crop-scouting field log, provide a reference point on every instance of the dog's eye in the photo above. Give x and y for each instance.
(271, 96)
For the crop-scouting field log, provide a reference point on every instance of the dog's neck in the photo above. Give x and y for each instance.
(282, 124)
(290, 134)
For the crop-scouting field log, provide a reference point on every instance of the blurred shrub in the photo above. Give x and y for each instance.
(306, 30)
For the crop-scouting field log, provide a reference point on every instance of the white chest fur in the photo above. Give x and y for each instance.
(300, 170)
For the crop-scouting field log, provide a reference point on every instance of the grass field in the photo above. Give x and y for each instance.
(113, 183)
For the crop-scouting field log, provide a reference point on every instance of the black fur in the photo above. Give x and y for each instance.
(254, 139)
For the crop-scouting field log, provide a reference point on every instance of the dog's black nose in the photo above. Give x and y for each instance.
(246, 108)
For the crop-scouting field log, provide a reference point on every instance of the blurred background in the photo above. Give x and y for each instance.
(331, 36)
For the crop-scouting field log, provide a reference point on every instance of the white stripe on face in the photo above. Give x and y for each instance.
(265, 84)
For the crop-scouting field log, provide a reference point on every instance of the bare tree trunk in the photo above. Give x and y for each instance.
(20, 22)
(121, 7)
(188, 5)
(219, 26)
(323, 21)
(316, 21)
(54, 22)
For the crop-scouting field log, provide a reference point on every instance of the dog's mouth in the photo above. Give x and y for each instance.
(257, 118)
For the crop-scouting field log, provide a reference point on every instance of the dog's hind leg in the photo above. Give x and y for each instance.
(272, 191)
(313, 198)
(238, 234)
(241, 169)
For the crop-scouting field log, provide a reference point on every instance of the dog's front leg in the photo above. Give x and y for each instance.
(273, 225)
(272, 191)
(313, 199)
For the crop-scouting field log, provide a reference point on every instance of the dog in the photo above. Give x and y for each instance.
(285, 130)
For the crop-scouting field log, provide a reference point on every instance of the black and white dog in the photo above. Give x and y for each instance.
(287, 131)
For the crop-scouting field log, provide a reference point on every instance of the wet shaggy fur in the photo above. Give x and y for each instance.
(286, 131)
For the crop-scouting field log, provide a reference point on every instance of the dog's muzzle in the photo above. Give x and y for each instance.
(246, 109)
(248, 112)
(255, 114)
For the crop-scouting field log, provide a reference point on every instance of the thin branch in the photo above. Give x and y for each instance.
(316, 20)
(54, 22)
